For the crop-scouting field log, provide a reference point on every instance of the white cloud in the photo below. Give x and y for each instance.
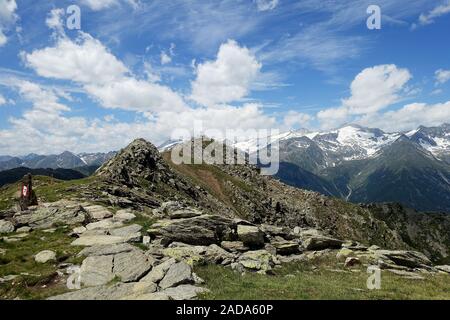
(165, 58)
(266, 5)
(97, 5)
(7, 18)
(333, 117)
(409, 117)
(376, 88)
(294, 118)
(2, 100)
(55, 20)
(428, 18)
(88, 62)
(372, 90)
(442, 76)
(85, 60)
(226, 79)
(136, 95)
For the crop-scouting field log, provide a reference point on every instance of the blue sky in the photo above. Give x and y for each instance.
(146, 68)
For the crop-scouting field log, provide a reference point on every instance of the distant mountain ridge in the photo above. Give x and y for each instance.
(368, 165)
(65, 160)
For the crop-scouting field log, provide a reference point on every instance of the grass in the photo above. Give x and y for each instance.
(298, 281)
(35, 280)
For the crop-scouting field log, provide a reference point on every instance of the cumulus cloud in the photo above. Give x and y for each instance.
(266, 5)
(294, 118)
(165, 58)
(88, 62)
(376, 88)
(97, 5)
(7, 18)
(55, 20)
(442, 76)
(372, 90)
(226, 79)
(2, 100)
(409, 117)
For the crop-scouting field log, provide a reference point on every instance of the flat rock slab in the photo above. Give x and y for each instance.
(104, 224)
(131, 266)
(106, 250)
(96, 271)
(250, 235)
(6, 226)
(178, 273)
(158, 272)
(121, 291)
(123, 215)
(443, 268)
(321, 242)
(98, 212)
(88, 241)
(131, 233)
(184, 292)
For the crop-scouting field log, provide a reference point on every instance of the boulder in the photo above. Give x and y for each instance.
(98, 212)
(403, 258)
(130, 233)
(344, 253)
(234, 246)
(444, 268)
(158, 272)
(132, 266)
(24, 230)
(184, 292)
(321, 242)
(97, 271)
(47, 215)
(351, 262)
(250, 235)
(192, 255)
(123, 216)
(79, 230)
(178, 273)
(6, 227)
(406, 274)
(285, 247)
(260, 261)
(104, 225)
(45, 256)
(202, 230)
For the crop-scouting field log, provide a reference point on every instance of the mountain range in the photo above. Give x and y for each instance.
(368, 165)
(65, 160)
(354, 163)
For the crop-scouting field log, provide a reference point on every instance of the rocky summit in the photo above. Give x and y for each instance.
(141, 226)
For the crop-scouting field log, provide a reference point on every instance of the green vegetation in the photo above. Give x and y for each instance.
(300, 281)
(35, 280)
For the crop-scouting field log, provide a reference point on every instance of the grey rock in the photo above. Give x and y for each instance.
(250, 235)
(184, 292)
(159, 271)
(178, 273)
(87, 241)
(131, 266)
(409, 259)
(321, 243)
(46, 215)
(285, 247)
(234, 246)
(6, 226)
(98, 212)
(24, 230)
(130, 233)
(124, 215)
(120, 291)
(202, 230)
(106, 250)
(351, 262)
(444, 268)
(45, 256)
(97, 271)
(260, 261)
(184, 213)
(104, 224)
